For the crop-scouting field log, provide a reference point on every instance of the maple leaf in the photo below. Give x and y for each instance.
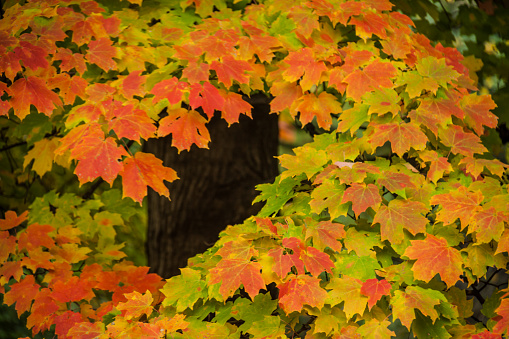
(207, 97)
(415, 83)
(488, 224)
(86, 330)
(362, 197)
(73, 289)
(438, 165)
(70, 60)
(435, 256)
(133, 84)
(32, 56)
(11, 220)
(328, 195)
(240, 249)
(374, 329)
(230, 69)
(70, 87)
(476, 166)
(284, 262)
(137, 304)
(234, 105)
(399, 214)
(303, 64)
(437, 70)
(353, 118)
(316, 261)
(186, 127)
(234, 272)
(374, 289)
(184, 290)
(98, 157)
(130, 123)
(502, 310)
(415, 297)
(65, 321)
(300, 290)
(348, 290)
(196, 72)
(402, 136)
(375, 75)
(460, 203)
(22, 293)
(306, 160)
(322, 106)
(43, 154)
(368, 24)
(477, 110)
(326, 234)
(461, 142)
(395, 182)
(170, 89)
(285, 94)
(101, 52)
(35, 236)
(383, 101)
(143, 170)
(32, 91)
(70, 253)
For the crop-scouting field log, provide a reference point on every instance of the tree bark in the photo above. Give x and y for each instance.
(215, 189)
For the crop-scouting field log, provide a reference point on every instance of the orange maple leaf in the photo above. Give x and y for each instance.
(434, 256)
(143, 170)
(186, 128)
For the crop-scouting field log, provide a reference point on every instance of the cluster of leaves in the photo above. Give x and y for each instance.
(377, 228)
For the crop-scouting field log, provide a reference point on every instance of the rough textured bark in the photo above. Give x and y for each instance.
(215, 189)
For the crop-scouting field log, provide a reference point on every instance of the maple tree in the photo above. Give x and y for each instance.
(381, 226)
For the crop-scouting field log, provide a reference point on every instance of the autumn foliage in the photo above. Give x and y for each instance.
(382, 226)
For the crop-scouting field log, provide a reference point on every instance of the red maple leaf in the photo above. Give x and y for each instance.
(32, 56)
(316, 261)
(133, 84)
(234, 105)
(375, 75)
(234, 272)
(32, 91)
(186, 127)
(170, 89)
(434, 256)
(65, 321)
(144, 170)
(128, 122)
(303, 64)
(196, 72)
(230, 69)
(362, 197)
(368, 24)
(22, 293)
(70, 60)
(70, 87)
(374, 289)
(35, 236)
(98, 157)
(300, 290)
(207, 97)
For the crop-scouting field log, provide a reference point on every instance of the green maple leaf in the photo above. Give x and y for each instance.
(184, 290)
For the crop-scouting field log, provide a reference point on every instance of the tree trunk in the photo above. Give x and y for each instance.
(215, 189)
